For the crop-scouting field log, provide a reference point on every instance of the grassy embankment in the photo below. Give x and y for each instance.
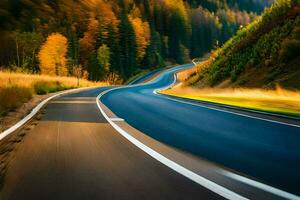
(278, 100)
(18, 88)
(275, 101)
(247, 70)
(141, 73)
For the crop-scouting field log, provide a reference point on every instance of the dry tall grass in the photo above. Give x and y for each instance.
(27, 80)
(18, 88)
(278, 101)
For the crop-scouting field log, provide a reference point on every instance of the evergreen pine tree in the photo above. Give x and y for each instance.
(127, 45)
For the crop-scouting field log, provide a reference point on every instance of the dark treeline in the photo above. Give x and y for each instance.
(114, 39)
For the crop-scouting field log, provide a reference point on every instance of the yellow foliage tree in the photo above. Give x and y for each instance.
(52, 55)
(142, 34)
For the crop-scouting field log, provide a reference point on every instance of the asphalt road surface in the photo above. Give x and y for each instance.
(73, 153)
(261, 149)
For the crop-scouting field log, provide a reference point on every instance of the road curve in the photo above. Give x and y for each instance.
(73, 153)
(265, 150)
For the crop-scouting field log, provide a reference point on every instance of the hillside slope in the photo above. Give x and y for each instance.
(264, 54)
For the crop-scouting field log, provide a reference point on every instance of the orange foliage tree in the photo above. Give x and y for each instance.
(52, 55)
(88, 41)
(142, 32)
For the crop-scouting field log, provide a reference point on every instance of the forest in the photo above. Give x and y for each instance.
(263, 54)
(112, 40)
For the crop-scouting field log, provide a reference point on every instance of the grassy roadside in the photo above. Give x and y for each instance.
(18, 88)
(278, 101)
(146, 71)
(142, 73)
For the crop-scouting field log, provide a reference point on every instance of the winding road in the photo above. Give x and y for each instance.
(143, 145)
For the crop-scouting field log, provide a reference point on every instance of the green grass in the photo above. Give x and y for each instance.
(136, 76)
(45, 87)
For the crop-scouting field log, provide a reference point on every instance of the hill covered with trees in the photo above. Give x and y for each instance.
(263, 54)
(114, 39)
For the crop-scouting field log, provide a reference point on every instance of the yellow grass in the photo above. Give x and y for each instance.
(183, 75)
(277, 101)
(18, 88)
(27, 80)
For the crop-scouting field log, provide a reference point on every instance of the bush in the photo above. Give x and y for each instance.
(12, 97)
(45, 87)
(290, 49)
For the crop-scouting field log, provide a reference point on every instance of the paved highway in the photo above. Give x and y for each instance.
(264, 148)
(185, 150)
(74, 153)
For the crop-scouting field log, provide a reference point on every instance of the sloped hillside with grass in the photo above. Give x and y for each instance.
(264, 54)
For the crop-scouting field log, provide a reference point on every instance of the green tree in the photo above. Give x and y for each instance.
(27, 45)
(127, 46)
(103, 54)
(73, 52)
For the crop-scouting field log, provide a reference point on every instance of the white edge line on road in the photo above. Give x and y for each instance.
(259, 185)
(224, 192)
(34, 112)
(191, 175)
(226, 111)
(117, 119)
(221, 110)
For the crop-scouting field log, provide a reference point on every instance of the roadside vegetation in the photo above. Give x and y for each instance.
(140, 73)
(262, 54)
(18, 88)
(278, 101)
(105, 41)
(115, 38)
(253, 67)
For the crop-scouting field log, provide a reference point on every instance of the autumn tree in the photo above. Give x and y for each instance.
(142, 35)
(52, 55)
(78, 73)
(87, 43)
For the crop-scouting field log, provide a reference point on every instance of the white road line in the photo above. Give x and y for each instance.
(117, 119)
(226, 111)
(221, 110)
(218, 189)
(34, 112)
(189, 174)
(261, 186)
